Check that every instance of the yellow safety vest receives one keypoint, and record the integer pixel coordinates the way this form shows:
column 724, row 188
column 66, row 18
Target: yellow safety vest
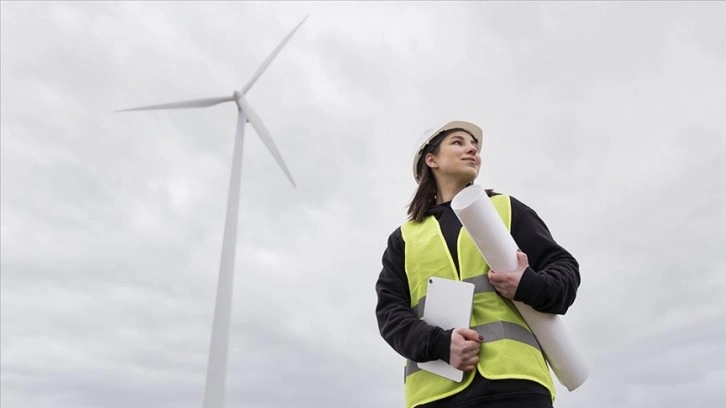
column 509, row 349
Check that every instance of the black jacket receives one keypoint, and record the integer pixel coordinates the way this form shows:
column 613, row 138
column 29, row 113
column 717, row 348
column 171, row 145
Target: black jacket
column 549, row 285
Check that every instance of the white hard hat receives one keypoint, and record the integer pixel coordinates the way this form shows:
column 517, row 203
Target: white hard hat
column 429, row 134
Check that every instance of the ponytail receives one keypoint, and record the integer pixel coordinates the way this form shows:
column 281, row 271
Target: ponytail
column 425, row 196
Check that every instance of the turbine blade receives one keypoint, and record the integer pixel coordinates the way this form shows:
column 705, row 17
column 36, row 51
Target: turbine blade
column 270, row 57
column 264, row 134
column 195, row 103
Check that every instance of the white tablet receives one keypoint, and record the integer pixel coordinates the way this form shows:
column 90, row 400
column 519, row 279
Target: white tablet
column 448, row 305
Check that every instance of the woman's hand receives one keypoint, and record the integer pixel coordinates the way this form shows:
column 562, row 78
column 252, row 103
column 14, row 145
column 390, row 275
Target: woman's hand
column 506, row 283
column 464, row 349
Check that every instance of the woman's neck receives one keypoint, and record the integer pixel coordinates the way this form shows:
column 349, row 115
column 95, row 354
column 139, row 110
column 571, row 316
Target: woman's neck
column 445, row 192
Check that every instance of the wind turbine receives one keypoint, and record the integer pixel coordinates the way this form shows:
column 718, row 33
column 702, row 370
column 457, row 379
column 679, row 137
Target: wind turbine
column 217, row 366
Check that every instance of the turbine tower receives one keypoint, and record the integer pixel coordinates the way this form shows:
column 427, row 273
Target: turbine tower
column 214, row 390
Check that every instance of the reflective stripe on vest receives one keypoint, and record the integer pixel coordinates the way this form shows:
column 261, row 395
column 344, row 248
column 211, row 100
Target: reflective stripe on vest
column 493, row 332
column 481, row 285
column 509, row 349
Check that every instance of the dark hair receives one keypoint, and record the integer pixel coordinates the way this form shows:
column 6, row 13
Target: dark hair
column 425, row 195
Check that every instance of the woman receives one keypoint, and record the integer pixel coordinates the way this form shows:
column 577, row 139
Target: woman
column 503, row 364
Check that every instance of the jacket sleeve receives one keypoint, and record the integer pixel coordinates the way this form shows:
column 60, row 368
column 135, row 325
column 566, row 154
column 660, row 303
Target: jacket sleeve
column 398, row 324
column 550, row 284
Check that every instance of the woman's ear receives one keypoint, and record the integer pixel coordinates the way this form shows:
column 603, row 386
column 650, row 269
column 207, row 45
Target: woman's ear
column 430, row 160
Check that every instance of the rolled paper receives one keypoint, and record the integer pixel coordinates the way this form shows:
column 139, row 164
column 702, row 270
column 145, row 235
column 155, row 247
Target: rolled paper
column 477, row 214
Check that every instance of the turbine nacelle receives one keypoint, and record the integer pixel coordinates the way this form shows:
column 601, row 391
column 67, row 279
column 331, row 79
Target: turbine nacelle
column 236, row 96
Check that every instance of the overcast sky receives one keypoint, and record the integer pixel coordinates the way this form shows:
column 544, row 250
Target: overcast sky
column 606, row 118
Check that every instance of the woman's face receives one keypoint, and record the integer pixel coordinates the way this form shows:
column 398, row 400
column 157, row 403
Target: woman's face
column 457, row 159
